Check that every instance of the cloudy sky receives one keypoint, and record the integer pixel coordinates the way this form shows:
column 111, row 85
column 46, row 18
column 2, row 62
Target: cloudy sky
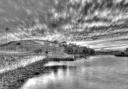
column 69, row 19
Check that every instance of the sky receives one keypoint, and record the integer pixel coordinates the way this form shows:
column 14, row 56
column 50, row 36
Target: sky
column 75, row 20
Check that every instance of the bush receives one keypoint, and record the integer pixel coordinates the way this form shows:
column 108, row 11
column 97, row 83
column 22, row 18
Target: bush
column 38, row 51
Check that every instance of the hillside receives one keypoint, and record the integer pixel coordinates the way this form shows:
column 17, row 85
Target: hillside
column 24, row 45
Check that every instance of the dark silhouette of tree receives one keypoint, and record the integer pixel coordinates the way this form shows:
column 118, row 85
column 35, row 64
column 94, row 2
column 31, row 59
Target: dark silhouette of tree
column 46, row 53
column 18, row 43
column 7, row 29
column 38, row 51
column 55, row 42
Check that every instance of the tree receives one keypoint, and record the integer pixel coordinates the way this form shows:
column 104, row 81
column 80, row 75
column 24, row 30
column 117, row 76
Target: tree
column 7, row 29
column 38, row 51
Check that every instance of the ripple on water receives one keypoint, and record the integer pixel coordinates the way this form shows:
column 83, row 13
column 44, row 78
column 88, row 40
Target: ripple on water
column 103, row 73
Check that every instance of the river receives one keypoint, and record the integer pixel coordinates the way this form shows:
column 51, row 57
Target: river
column 97, row 72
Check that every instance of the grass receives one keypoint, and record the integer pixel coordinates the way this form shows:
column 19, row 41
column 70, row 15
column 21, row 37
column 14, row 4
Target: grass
column 14, row 79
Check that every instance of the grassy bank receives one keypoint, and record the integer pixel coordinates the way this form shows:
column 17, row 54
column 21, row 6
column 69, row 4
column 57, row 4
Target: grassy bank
column 14, row 79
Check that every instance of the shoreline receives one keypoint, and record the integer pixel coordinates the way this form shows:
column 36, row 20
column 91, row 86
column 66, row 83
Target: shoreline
column 14, row 79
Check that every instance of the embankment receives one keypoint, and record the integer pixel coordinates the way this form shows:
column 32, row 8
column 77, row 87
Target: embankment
column 14, row 79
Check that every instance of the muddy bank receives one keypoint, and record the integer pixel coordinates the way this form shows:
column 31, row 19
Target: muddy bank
column 14, row 79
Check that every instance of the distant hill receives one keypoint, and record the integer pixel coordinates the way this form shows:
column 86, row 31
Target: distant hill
column 22, row 45
column 32, row 46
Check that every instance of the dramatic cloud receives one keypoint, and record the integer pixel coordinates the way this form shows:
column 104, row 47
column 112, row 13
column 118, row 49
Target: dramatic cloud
column 79, row 19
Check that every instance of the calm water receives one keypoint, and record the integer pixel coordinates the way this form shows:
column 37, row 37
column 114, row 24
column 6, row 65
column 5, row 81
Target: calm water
column 100, row 72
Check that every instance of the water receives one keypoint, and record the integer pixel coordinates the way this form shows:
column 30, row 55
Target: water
column 100, row 72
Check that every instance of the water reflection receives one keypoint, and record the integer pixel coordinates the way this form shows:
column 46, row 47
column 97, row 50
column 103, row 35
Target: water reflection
column 57, row 75
column 95, row 73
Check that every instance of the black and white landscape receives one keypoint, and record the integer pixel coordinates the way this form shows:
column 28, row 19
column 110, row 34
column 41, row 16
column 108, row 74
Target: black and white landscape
column 63, row 44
